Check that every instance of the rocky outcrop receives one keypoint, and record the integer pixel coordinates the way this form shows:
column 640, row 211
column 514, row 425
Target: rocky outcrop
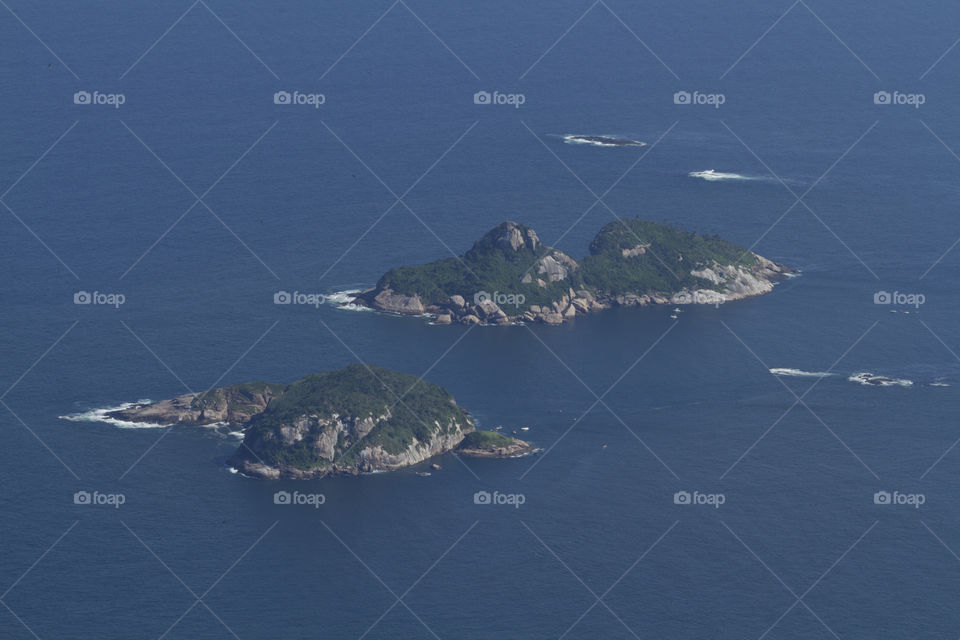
column 634, row 251
column 235, row 404
column 738, row 282
column 551, row 268
column 514, row 238
column 387, row 300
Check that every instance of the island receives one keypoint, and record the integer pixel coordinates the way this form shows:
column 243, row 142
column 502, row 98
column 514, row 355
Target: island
column 358, row 419
column 510, row 276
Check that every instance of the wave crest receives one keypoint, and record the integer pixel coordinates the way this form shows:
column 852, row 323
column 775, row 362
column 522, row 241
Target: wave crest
column 777, row 371
column 345, row 300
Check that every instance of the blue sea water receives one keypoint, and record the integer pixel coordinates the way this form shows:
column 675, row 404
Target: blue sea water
column 198, row 198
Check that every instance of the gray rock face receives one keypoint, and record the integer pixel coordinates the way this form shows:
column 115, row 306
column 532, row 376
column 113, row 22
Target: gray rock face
column 735, row 282
column 638, row 250
column 378, row 458
column 231, row 405
column 556, row 266
column 323, row 435
column 387, row 300
column 513, row 238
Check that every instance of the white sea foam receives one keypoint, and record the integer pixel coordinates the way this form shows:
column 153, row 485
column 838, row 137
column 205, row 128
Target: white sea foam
column 777, row 371
column 342, row 297
column 602, row 140
column 100, row 415
column 715, row 176
column 873, row 380
column 345, row 300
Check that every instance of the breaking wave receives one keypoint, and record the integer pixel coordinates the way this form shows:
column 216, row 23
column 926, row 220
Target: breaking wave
column 345, row 300
column 100, row 415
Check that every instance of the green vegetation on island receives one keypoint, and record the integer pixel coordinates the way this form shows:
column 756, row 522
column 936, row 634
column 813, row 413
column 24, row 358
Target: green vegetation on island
column 340, row 416
column 357, row 419
column 638, row 256
column 630, row 262
column 485, row 439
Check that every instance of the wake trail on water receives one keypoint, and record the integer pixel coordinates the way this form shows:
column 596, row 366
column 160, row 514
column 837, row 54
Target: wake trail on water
column 601, row 140
column 865, row 378
column 711, row 175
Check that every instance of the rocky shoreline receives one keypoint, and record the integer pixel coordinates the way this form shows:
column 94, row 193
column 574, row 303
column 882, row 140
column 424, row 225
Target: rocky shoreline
column 256, row 469
column 742, row 284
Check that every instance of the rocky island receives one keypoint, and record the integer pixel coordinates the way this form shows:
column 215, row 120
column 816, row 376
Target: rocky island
column 350, row 421
column 509, row 275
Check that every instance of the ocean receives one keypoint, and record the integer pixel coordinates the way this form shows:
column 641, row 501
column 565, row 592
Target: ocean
column 193, row 160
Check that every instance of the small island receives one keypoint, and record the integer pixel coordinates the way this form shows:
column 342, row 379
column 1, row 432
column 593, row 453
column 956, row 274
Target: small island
column 490, row 444
column 510, row 276
column 358, row 419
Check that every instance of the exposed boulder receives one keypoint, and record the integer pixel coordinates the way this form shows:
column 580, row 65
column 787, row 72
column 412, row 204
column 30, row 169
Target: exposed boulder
column 387, row 300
